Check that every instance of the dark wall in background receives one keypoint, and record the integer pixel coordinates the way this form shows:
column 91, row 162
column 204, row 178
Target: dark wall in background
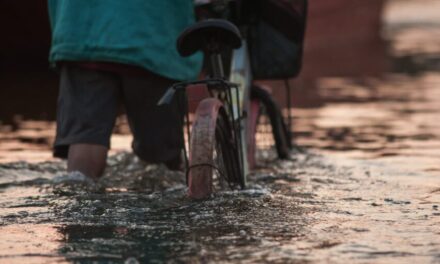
column 25, row 34
column 343, row 40
column 28, row 88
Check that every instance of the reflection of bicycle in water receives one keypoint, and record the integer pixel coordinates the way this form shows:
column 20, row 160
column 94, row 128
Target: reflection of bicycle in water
column 228, row 105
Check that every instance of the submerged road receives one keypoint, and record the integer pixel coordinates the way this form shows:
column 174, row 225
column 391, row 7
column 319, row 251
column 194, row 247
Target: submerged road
column 366, row 189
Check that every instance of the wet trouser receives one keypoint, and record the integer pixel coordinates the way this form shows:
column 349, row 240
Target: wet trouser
column 88, row 104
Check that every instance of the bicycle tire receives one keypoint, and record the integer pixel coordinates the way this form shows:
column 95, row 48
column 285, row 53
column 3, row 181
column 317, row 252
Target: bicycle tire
column 281, row 135
column 214, row 160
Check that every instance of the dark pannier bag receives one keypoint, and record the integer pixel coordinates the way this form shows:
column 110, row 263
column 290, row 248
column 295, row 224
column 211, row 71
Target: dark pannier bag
column 275, row 37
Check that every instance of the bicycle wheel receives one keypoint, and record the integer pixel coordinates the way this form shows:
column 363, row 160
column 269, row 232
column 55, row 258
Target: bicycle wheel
column 214, row 159
column 262, row 103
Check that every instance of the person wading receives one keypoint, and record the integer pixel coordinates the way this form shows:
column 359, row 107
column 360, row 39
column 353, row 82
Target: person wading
column 112, row 52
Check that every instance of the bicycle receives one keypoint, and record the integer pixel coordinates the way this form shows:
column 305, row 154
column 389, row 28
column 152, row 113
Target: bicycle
column 227, row 104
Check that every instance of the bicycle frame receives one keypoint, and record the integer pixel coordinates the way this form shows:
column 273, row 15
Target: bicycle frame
column 241, row 74
column 232, row 90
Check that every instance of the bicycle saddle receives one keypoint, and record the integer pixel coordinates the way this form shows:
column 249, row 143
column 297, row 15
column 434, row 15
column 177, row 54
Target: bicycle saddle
column 212, row 36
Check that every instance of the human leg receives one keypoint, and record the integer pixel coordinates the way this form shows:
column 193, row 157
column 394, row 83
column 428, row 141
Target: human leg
column 87, row 107
column 89, row 159
column 157, row 130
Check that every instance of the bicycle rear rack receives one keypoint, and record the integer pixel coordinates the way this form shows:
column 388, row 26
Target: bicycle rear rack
column 180, row 90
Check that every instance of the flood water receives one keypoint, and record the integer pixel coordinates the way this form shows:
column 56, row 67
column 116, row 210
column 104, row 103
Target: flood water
column 363, row 185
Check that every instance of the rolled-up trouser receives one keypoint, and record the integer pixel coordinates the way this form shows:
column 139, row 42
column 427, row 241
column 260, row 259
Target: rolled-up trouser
column 88, row 104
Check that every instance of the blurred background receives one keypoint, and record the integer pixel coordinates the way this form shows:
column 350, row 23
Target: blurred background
column 369, row 86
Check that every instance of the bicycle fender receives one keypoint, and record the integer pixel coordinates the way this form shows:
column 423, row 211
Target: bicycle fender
column 203, row 132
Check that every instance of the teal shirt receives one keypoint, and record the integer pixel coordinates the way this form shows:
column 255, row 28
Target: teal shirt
column 135, row 32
